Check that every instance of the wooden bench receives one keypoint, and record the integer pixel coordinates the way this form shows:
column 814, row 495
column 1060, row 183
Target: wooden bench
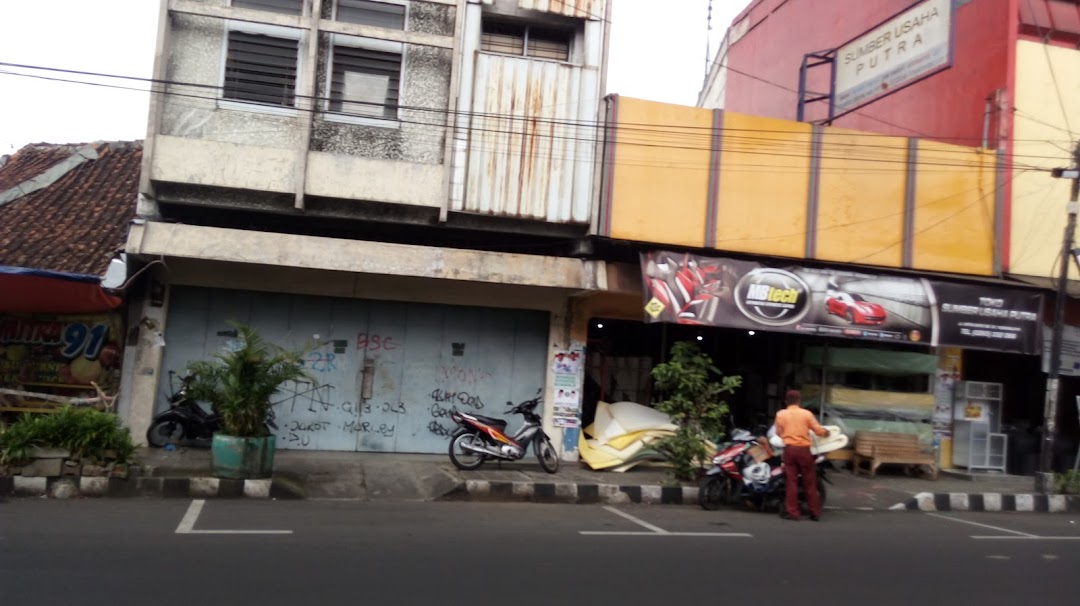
column 882, row 448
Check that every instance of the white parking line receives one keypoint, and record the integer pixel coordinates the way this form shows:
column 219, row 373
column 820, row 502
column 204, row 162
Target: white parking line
column 187, row 523
column 998, row 528
column 655, row 531
column 637, row 521
column 1031, row 538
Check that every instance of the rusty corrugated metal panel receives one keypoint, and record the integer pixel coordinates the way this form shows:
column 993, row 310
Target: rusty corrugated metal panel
column 528, row 155
column 582, row 9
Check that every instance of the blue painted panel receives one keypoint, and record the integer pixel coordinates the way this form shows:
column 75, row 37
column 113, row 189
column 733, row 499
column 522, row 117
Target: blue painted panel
column 425, row 360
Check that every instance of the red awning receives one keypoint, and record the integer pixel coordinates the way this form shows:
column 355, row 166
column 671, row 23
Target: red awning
column 37, row 291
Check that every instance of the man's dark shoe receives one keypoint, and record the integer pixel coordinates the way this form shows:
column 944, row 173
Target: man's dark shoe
column 815, row 518
column 787, row 516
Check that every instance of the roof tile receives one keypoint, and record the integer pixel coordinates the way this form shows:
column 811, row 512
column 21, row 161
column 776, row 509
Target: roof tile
column 76, row 224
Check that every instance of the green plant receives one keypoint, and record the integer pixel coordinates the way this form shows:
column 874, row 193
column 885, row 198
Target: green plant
column 693, row 400
column 239, row 382
column 1068, row 482
column 86, row 432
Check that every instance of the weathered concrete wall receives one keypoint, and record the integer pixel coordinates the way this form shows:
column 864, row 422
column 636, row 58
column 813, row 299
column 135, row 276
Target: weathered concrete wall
column 197, row 52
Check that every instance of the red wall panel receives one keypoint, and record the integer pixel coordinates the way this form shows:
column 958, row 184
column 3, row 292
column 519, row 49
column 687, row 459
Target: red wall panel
column 948, row 106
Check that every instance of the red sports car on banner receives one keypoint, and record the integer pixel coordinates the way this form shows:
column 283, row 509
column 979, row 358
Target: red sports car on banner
column 856, row 309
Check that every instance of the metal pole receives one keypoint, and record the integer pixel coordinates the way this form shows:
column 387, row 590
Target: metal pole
column 1044, row 481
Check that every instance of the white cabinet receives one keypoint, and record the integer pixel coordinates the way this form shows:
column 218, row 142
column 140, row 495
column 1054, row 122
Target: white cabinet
column 976, row 447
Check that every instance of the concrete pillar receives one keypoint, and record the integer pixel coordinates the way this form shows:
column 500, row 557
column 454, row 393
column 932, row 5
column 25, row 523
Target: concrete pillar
column 568, row 331
column 144, row 376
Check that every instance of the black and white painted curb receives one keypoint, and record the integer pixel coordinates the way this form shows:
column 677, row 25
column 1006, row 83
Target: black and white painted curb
column 183, row 488
column 541, row 492
column 990, row 501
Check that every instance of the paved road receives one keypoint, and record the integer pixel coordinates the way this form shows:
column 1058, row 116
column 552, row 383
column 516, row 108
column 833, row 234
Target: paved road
column 163, row 552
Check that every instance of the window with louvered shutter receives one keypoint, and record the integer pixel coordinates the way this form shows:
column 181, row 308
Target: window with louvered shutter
column 288, row 7
column 509, row 38
column 261, row 69
column 368, row 12
column 365, row 82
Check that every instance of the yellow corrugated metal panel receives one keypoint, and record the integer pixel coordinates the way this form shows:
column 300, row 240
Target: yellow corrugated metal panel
column 1040, row 139
column 582, row 9
column 954, row 209
column 660, row 184
column 861, row 198
column 524, row 146
column 764, row 176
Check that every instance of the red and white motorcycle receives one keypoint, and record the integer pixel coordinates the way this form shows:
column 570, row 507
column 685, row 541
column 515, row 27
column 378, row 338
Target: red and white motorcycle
column 750, row 469
column 479, row 438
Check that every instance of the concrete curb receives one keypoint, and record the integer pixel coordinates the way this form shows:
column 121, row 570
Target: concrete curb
column 559, row 492
column 990, row 501
column 181, row 488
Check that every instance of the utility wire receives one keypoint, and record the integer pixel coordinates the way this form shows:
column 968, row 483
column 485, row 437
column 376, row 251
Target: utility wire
column 552, row 135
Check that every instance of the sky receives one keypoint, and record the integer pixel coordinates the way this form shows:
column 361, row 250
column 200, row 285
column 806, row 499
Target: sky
column 655, row 54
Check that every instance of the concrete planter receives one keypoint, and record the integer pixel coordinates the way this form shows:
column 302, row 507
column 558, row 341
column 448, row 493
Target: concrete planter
column 242, row 458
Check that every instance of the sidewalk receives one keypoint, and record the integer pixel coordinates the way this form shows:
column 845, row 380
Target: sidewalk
column 377, row 476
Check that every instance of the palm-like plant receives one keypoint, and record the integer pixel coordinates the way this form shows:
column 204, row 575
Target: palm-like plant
column 239, row 383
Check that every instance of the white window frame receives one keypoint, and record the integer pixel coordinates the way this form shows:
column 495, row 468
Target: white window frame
column 385, row 46
column 303, row 7
column 405, row 17
column 265, row 29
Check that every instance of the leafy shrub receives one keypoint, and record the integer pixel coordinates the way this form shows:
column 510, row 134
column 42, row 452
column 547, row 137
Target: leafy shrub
column 694, row 404
column 239, row 382
column 86, row 432
column 1068, row 482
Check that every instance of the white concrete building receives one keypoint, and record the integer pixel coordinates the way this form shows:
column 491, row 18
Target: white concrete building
column 407, row 183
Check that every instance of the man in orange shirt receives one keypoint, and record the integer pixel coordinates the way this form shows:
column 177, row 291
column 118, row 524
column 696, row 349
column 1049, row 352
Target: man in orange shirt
column 793, row 425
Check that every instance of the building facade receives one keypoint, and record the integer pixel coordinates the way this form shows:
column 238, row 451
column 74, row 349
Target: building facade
column 1008, row 89
column 400, row 184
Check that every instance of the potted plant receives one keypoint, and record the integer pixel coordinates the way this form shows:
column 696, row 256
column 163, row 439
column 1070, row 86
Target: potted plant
column 238, row 384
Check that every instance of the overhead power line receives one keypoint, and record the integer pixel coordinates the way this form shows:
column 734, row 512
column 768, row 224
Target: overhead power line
column 656, row 134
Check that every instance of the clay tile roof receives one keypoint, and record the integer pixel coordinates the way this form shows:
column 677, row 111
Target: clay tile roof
column 78, row 221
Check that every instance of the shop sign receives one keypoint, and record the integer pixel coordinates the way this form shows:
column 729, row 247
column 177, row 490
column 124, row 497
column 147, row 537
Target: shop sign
column 39, row 351
column 692, row 289
column 905, row 49
column 1070, row 351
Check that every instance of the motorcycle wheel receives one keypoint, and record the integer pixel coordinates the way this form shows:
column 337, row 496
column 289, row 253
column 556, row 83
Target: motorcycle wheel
column 165, row 431
column 714, row 492
column 545, row 453
column 465, row 459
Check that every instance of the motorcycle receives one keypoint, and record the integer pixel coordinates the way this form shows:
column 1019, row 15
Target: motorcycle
column 750, row 470
column 184, row 419
column 479, row 438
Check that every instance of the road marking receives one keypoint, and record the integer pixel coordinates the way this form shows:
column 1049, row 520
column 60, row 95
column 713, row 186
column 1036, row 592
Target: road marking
column 187, row 523
column 190, row 516
column 998, row 528
column 637, row 521
column 637, row 533
column 997, row 557
column 1028, row 538
column 655, row 531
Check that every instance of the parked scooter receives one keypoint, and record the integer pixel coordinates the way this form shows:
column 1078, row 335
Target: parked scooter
column 479, row 438
column 183, row 420
column 750, row 470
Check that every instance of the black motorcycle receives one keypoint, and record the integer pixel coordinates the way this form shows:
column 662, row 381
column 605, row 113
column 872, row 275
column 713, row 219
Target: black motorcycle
column 184, row 420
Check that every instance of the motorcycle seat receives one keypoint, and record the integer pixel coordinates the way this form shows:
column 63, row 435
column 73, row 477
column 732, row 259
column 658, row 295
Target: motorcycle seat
column 500, row 423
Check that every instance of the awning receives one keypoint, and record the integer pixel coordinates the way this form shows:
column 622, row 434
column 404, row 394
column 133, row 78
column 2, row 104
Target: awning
column 24, row 290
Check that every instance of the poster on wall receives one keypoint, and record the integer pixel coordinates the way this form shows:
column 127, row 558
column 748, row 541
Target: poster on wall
column 42, row 352
column 685, row 288
column 948, row 375
column 567, row 366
